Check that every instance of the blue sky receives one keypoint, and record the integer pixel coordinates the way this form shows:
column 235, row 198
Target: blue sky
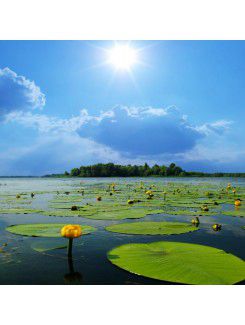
column 62, row 105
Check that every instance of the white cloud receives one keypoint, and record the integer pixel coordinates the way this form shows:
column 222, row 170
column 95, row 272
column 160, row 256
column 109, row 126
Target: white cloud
column 218, row 127
column 46, row 124
column 121, row 135
column 17, row 93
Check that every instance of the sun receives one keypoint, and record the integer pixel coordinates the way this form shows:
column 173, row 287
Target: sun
column 122, row 57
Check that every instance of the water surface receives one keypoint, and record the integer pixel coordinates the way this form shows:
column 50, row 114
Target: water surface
column 20, row 264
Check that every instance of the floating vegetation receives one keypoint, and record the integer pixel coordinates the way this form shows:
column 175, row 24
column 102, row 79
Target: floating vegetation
column 216, row 227
column 236, row 213
column 237, row 202
column 152, row 228
column 162, row 207
column 195, row 221
column 19, row 211
column 126, row 214
column 179, row 262
column 190, row 212
column 46, row 246
column 71, row 232
column 44, row 230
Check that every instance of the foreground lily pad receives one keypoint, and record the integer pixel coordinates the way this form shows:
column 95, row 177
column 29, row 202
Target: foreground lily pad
column 179, row 262
column 43, row 230
column 152, row 228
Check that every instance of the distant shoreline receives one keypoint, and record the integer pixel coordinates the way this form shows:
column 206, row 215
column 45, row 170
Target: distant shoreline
column 151, row 176
column 115, row 170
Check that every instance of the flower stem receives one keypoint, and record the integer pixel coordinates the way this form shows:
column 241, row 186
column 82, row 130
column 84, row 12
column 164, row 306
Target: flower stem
column 70, row 247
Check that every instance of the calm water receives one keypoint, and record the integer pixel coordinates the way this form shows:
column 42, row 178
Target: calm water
column 20, row 264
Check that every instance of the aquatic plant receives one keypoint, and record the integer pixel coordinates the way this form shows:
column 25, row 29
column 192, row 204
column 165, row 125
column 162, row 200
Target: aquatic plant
column 237, row 202
column 228, row 187
column 43, row 229
column 126, row 213
column 71, row 232
column 149, row 194
column 216, row 227
column 19, row 210
column 152, row 228
column 195, row 221
column 179, row 262
column 205, row 207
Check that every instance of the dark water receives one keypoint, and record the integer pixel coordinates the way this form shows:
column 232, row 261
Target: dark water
column 20, row 264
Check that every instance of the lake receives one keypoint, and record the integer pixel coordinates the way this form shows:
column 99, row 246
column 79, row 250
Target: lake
column 21, row 264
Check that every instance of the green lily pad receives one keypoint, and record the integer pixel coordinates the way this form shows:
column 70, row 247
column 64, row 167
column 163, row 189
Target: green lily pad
column 19, row 211
column 179, row 262
column 46, row 246
column 124, row 214
column 44, row 229
column 236, row 213
column 152, row 228
column 191, row 213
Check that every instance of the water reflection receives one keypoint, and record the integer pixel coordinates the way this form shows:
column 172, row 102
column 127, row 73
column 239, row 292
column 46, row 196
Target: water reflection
column 72, row 277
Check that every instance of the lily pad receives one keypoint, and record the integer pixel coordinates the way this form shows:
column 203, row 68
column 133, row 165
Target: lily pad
column 236, row 213
column 43, row 230
column 46, row 246
column 124, row 214
column 152, row 228
column 191, row 213
column 179, row 262
column 19, row 211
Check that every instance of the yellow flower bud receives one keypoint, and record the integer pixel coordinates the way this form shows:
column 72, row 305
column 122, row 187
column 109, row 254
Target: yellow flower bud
column 71, row 231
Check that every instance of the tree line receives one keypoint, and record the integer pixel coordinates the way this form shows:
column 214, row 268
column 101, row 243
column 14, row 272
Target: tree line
column 114, row 170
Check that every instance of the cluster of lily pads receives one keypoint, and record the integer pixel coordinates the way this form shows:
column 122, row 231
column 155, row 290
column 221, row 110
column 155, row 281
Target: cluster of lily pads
column 169, row 261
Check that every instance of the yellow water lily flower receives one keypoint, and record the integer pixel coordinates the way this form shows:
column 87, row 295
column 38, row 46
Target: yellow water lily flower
column 228, row 187
column 149, row 192
column 195, row 221
column 205, row 208
column 237, row 202
column 216, row 227
column 71, row 231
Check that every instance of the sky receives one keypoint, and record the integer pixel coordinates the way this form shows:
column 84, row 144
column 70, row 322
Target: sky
column 64, row 104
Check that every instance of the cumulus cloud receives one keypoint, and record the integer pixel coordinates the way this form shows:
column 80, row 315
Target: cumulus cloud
column 18, row 93
column 126, row 135
column 142, row 131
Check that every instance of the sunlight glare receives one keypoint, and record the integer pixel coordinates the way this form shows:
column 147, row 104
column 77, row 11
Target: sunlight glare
column 122, row 57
